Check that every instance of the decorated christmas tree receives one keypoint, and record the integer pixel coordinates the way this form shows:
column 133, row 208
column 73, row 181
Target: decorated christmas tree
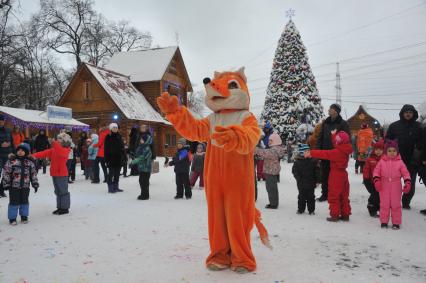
column 292, row 97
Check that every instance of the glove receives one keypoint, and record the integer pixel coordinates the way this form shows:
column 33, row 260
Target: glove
column 225, row 137
column 407, row 187
column 168, row 104
column 378, row 185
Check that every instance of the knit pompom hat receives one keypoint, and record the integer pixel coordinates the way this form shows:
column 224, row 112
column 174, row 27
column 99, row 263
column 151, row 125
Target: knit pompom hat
column 342, row 138
column 275, row 140
column 380, row 144
column 182, row 141
column 112, row 126
column 64, row 139
column 301, row 148
column 25, row 147
column 391, row 144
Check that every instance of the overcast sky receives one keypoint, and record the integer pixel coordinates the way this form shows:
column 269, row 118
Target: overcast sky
column 225, row 34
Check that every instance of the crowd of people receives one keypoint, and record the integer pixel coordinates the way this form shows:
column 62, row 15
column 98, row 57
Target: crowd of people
column 382, row 157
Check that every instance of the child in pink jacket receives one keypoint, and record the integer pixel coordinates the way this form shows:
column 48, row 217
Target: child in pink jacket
column 387, row 181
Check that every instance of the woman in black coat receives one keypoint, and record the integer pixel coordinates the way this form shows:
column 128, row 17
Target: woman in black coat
column 114, row 155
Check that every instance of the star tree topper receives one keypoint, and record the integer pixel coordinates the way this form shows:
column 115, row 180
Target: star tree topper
column 290, row 13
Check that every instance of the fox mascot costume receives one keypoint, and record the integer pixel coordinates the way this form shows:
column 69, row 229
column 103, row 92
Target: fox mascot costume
column 231, row 133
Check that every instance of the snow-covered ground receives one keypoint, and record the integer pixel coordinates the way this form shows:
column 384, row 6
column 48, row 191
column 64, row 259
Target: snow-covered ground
column 116, row 238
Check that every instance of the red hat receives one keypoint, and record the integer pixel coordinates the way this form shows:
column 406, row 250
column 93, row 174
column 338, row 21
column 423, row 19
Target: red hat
column 380, row 144
column 391, row 143
column 341, row 138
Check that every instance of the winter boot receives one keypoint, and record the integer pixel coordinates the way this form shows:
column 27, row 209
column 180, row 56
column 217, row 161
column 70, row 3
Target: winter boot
column 406, row 206
column 24, row 219
column 384, row 225
column 116, row 188
column 13, row 222
column 111, row 188
column 56, row 212
column 299, row 212
column 178, row 197
column 395, row 227
column 423, row 211
column 63, row 211
column 311, row 212
column 333, row 219
column 344, row 218
column 271, row 206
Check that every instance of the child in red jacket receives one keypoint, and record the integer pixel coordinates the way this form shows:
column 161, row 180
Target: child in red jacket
column 373, row 205
column 387, row 181
column 338, row 194
column 58, row 156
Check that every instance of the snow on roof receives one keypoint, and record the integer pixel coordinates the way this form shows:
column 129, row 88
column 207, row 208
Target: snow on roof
column 127, row 98
column 143, row 66
column 39, row 117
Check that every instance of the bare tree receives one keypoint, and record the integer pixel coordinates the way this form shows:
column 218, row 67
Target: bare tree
column 196, row 102
column 124, row 37
column 98, row 33
column 65, row 25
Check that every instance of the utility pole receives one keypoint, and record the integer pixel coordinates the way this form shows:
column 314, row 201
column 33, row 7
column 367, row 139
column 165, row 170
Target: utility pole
column 338, row 86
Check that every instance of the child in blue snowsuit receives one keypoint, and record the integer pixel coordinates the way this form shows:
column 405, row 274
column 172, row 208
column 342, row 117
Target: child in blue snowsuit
column 19, row 172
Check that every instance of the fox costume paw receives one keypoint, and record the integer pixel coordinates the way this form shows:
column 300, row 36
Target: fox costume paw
column 168, row 104
column 225, row 137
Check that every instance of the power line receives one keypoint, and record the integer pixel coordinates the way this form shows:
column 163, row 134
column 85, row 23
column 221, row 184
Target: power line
column 343, row 33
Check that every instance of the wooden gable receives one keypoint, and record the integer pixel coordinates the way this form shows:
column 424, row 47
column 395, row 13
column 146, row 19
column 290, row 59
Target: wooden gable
column 84, row 94
column 360, row 117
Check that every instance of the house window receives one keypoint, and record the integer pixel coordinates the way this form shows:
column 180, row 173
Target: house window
column 172, row 68
column 173, row 140
column 87, row 91
column 168, row 139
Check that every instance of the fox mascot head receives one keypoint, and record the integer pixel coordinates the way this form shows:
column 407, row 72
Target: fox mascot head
column 227, row 91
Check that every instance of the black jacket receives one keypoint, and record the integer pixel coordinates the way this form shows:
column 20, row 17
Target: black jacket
column 5, row 136
column 181, row 161
column 324, row 139
column 408, row 134
column 41, row 143
column 114, row 150
column 306, row 173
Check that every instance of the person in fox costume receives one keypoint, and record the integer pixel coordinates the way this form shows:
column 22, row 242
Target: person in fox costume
column 231, row 133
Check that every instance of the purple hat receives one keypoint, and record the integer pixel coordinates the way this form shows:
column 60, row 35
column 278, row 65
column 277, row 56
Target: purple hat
column 391, row 143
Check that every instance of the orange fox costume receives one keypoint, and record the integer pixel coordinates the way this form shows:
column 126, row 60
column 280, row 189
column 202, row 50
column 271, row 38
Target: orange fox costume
column 231, row 133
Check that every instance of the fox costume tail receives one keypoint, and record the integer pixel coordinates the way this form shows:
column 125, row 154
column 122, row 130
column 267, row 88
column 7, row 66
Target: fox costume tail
column 263, row 233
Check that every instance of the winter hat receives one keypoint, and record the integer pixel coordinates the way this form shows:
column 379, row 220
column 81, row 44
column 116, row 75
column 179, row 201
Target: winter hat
column 25, row 147
column 302, row 147
column 268, row 125
column 336, row 107
column 275, row 140
column 64, row 139
column 112, row 126
column 380, row 144
column 182, row 141
column 391, row 143
column 342, row 138
column 2, row 118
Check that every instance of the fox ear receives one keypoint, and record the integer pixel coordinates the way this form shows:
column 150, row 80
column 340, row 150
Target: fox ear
column 216, row 75
column 241, row 73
